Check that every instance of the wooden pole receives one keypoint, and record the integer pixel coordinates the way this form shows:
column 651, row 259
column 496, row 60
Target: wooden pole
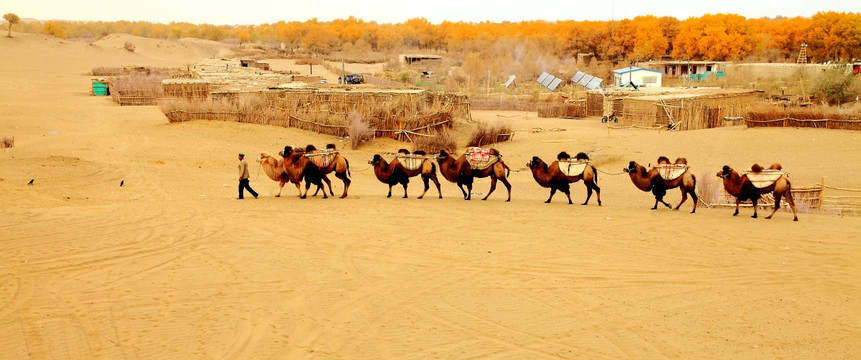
column 821, row 191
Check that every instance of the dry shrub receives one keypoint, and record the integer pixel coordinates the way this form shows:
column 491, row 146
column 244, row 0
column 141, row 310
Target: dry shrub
column 7, row 142
column 710, row 188
column 485, row 134
column 306, row 61
column 359, row 130
column 129, row 46
column 764, row 111
column 439, row 140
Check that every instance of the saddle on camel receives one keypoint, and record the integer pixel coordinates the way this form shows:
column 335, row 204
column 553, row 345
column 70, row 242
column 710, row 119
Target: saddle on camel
column 480, row 158
column 754, row 183
column 572, row 167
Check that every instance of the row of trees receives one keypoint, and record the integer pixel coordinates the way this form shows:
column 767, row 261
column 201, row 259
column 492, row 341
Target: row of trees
column 830, row 35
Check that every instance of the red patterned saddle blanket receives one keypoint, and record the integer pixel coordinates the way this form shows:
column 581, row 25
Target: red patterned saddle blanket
column 480, row 159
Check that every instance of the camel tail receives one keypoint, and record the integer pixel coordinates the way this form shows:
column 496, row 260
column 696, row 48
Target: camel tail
column 348, row 167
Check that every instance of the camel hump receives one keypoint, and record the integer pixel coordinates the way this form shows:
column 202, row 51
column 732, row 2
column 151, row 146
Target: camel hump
column 403, row 151
column 756, row 168
column 310, row 148
column 418, row 152
column 330, row 146
column 582, row 156
column 493, row 152
column 682, row 160
column 563, row 156
column 775, row 166
column 663, row 160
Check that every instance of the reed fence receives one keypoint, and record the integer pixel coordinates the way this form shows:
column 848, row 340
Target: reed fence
column 808, row 123
column 815, row 198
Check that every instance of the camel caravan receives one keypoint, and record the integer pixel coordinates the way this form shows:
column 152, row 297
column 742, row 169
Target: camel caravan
column 308, row 164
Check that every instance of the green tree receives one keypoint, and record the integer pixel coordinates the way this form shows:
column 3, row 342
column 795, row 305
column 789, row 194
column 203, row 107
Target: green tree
column 12, row 19
column 837, row 85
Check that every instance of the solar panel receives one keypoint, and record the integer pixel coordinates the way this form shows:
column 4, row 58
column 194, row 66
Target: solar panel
column 510, row 80
column 579, row 75
column 585, row 79
column 595, row 83
column 553, row 85
column 548, row 80
column 543, row 76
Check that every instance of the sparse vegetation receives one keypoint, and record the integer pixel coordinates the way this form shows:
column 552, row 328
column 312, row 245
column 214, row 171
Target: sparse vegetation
column 837, row 85
column 359, row 130
column 440, row 140
column 485, row 134
column 12, row 19
column 129, row 46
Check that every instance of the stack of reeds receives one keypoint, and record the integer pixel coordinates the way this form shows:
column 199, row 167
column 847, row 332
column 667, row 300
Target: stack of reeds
column 186, row 89
column 766, row 115
column 136, row 89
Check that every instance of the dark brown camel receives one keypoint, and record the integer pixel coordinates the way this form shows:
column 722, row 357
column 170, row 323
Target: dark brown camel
column 427, row 170
column 652, row 181
column 552, row 177
column 339, row 165
column 743, row 189
column 297, row 167
column 274, row 169
column 389, row 174
column 460, row 172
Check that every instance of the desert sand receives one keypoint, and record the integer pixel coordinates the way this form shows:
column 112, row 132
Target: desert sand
column 172, row 266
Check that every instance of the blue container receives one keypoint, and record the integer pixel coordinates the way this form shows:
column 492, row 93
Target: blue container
column 100, row 88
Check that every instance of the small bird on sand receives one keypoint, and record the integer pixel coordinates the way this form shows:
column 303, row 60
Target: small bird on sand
column 31, row 182
column 122, row 182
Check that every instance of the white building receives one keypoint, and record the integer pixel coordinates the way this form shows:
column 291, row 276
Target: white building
column 637, row 75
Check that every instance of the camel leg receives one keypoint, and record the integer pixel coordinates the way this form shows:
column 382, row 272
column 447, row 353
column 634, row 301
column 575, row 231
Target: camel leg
column 307, row 186
column 328, row 182
column 589, row 187
column 436, row 182
column 656, row 204
column 737, row 201
column 508, row 186
column 320, row 186
column 568, row 194
column 492, row 187
column 791, row 202
column 426, row 181
column 390, row 191
column 552, row 192
column 347, row 182
column 696, row 200
column 754, row 208
column 404, row 184
column 776, row 206
column 684, row 198
column 299, row 189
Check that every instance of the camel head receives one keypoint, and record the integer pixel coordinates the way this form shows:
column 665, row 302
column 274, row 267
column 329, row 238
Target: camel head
column 632, row 167
column 562, row 156
column 535, row 163
column 443, row 155
column 376, row 160
column 725, row 172
column 263, row 157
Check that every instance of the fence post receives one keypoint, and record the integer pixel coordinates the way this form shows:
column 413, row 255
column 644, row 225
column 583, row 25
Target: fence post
column 821, row 191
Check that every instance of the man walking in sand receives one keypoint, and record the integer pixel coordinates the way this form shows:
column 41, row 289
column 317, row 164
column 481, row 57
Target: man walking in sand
column 243, row 177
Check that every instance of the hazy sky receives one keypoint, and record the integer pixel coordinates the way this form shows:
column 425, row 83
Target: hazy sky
column 254, row 12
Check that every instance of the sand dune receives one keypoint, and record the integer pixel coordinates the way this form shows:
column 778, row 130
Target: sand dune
column 171, row 266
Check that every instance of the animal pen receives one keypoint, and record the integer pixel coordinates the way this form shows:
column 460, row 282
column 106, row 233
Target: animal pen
column 688, row 109
column 398, row 114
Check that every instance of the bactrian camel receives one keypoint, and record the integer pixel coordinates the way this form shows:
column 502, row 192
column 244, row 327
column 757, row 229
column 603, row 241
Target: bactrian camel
column 743, row 189
column 651, row 180
column 552, row 177
column 460, row 172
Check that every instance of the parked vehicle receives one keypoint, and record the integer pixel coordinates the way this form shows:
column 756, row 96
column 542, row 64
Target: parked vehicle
column 612, row 117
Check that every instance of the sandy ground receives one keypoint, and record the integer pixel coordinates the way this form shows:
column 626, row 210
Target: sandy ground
column 171, row 266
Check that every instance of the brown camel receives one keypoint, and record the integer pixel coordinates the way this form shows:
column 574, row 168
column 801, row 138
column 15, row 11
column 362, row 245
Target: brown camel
column 652, row 181
column 427, row 170
column 460, row 172
column 552, row 177
column 297, row 167
column 339, row 165
column 743, row 189
column 389, row 174
column 274, row 169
